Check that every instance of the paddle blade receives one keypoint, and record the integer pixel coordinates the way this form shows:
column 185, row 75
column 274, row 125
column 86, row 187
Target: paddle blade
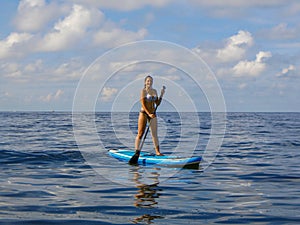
column 134, row 159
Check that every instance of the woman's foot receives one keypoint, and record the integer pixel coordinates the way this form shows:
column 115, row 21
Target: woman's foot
column 158, row 151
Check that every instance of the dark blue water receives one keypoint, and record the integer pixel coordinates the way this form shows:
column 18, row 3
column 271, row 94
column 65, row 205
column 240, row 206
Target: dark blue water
column 47, row 178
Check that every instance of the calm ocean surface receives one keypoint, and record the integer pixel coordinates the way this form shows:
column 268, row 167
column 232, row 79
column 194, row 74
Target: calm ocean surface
column 45, row 178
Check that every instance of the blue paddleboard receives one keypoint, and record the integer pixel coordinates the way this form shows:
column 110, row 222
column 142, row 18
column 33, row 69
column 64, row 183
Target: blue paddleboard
column 148, row 158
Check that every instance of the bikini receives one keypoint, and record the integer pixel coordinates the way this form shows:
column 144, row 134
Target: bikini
column 149, row 98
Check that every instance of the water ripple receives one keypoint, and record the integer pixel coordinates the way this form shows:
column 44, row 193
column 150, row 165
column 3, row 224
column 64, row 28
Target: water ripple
column 255, row 177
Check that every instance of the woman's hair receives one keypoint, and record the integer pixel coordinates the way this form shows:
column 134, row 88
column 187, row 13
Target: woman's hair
column 146, row 79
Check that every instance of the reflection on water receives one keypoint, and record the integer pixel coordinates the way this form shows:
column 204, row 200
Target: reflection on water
column 147, row 194
column 146, row 219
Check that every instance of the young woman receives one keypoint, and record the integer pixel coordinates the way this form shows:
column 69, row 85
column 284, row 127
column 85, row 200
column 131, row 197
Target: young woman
column 149, row 100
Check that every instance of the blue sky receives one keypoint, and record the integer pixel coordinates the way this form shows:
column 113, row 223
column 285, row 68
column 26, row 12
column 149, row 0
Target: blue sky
column 252, row 48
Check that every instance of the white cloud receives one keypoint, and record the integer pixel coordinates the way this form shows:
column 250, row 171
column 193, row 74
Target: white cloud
column 58, row 94
column 286, row 71
column 5, row 95
column 32, row 15
column 242, row 85
column 173, row 77
column 31, row 3
column 237, row 3
column 230, row 51
column 280, row 32
column 112, row 36
column 231, row 60
column 34, row 67
column 10, row 69
column 108, row 93
column 252, row 68
column 125, row 5
column 70, row 30
column 70, row 70
column 262, row 55
column 234, row 8
column 51, row 97
column 41, row 71
column 293, row 8
column 81, row 26
column 149, row 18
column 235, row 47
column 9, row 45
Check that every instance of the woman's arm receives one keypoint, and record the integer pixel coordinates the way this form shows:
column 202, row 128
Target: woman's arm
column 158, row 100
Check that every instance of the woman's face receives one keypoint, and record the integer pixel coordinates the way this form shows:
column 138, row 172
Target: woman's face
column 148, row 82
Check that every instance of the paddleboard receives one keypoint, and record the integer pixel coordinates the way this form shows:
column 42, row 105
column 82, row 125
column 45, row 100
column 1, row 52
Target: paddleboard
column 149, row 158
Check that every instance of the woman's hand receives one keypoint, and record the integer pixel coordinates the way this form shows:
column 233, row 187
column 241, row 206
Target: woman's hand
column 162, row 91
column 152, row 115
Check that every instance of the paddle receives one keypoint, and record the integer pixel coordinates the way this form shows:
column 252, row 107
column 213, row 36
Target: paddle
column 134, row 159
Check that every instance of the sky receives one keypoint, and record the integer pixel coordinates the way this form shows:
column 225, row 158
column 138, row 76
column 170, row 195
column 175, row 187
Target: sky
column 251, row 48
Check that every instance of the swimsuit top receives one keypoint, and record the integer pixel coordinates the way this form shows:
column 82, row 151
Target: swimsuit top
column 151, row 98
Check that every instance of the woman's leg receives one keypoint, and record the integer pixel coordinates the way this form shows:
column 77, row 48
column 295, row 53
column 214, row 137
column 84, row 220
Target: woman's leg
column 153, row 127
column 142, row 121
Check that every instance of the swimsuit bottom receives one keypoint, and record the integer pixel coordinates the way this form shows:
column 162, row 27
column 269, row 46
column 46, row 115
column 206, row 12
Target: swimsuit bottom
column 144, row 112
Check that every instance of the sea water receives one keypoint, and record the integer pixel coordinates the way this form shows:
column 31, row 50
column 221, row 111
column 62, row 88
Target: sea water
column 55, row 172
